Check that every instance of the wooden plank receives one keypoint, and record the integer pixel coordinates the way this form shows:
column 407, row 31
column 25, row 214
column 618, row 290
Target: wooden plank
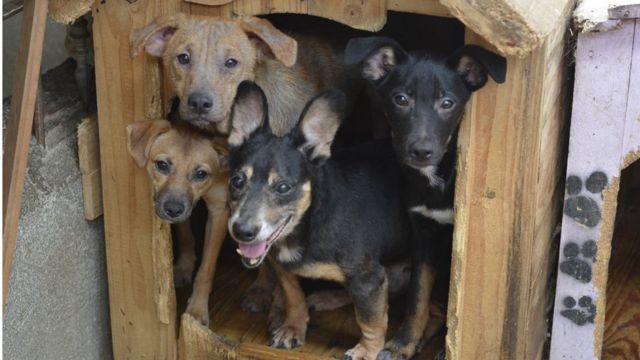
column 89, row 159
column 138, row 248
column 631, row 144
column 514, row 27
column 67, row 11
column 507, row 202
column 598, row 117
column 365, row 15
column 426, row 7
column 16, row 149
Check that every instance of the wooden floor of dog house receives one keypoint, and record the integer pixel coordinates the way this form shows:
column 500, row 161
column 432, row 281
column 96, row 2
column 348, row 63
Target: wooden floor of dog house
column 329, row 335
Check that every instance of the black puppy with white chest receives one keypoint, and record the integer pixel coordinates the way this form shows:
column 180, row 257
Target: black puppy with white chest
column 423, row 98
column 315, row 214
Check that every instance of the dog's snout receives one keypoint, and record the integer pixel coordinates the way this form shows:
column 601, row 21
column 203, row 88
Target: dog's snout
column 200, row 103
column 173, row 209
column 421, row 151
column 245, row 232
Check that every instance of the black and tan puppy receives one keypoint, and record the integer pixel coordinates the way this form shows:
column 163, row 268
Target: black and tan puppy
column 335, row 217
column 185, row 165
column 423, row 98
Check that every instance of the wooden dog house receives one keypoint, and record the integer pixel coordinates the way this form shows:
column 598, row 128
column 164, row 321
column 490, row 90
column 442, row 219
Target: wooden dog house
column 509, row 189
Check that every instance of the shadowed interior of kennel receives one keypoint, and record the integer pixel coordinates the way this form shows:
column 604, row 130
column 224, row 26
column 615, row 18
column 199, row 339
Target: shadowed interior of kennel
column 330, row 333
column 622, row 318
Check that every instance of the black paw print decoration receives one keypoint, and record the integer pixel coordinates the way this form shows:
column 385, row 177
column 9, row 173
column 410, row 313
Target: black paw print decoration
column 580, row 207
column 584, row 313
column 578, row 261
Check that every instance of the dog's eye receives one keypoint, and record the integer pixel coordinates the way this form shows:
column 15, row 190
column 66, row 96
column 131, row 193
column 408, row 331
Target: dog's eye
column 200, row 175
column 401, row 100
column 237, row 181
column 447, row 104
column 184, row 59
column 162, row 166
column 231, row 63
column 283, row 188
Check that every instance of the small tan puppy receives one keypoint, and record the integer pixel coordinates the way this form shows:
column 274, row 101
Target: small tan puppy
column 185, row 165
column 205, row 59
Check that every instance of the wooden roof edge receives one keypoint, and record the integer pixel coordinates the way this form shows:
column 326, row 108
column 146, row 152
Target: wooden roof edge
column 514, row 27
column 604, row 15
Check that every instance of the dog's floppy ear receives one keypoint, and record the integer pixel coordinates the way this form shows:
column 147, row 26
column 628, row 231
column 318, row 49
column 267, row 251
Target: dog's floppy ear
column 473, row 63
column 140, row 136
column 318, row 125
column 221, row 146
column 249, row 113
column 378, row 55
column 271, row 40
column 154, row 37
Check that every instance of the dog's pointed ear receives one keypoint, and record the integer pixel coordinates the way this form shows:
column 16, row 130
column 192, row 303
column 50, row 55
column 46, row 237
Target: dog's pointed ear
column 154, row 37
column 473, row 63
column 377, row 54
column 249, row 113
column 318, row 125
column 140, row 137
column 270, row 40
column 221, row 146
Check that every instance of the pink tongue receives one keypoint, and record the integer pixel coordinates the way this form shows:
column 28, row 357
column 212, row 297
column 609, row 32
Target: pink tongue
column 253, row 250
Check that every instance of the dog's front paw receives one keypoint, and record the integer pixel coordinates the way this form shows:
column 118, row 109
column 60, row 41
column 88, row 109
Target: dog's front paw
column 361, row 352
column 183, row 271
column 199, row 310
column 256, row 299
column 288, row 336
column 394, row 350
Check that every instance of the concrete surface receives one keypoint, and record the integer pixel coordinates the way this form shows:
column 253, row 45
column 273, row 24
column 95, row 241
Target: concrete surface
column 57, row 304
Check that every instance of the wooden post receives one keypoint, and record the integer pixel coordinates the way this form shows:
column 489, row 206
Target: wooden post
column 16, row 150
column 138, row 248
column 508, row 194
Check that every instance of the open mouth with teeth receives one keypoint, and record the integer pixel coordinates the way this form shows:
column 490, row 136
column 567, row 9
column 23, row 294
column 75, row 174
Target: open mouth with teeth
column 253, row 254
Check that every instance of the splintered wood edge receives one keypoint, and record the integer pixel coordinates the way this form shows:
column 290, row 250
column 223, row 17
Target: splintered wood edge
column 199, row 342
column 66, row 11
column 512, row 30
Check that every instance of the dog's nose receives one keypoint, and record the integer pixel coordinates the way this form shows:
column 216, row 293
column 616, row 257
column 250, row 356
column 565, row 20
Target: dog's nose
column 200, row 103
column 421, row 151
column 245, row 232
column 173, row 208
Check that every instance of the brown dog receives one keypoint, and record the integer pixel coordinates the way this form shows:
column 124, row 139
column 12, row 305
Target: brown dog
column 185, row 165
column 206, row 59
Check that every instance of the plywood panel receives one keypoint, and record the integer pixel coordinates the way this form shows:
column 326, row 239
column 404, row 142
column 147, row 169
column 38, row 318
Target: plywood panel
column 506, row 206
column 143, row 322
column 593, row 170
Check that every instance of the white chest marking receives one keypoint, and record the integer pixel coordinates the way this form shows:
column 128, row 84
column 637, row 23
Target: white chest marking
column 430, row 173
column 443, row 216
column 287, row 255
